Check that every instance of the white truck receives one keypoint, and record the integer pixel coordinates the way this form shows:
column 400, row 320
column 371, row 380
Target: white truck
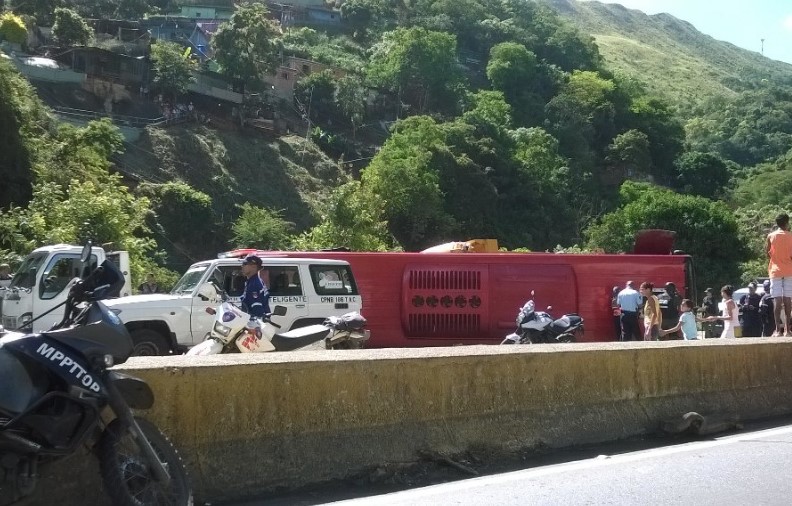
column 311, row 290
column 40, row 283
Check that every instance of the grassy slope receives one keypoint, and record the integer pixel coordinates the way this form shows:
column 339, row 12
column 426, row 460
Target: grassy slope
column 235, row 167
column 676, row 61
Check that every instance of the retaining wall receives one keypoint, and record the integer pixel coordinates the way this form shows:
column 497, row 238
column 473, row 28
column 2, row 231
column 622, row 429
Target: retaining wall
column 249, row 423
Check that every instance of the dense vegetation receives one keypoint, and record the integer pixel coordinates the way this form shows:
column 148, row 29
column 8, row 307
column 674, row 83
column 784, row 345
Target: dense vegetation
column 505, row 121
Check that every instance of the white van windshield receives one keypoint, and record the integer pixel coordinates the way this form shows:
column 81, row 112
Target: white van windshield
column 25, row 277
column 190, row 280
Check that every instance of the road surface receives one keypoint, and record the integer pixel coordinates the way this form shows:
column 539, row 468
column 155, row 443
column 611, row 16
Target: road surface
column 750, row 467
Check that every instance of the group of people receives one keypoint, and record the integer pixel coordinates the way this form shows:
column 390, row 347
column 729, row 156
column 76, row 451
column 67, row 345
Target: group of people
column 631, row 304
column 758, row 315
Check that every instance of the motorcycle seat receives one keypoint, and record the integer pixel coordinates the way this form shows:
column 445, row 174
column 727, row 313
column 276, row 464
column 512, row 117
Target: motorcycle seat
column 299, row 338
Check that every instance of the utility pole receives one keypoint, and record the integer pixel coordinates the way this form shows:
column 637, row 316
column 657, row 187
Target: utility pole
column 762, row 47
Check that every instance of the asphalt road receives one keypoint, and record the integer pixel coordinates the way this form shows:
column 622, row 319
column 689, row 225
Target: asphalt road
column 750, row 467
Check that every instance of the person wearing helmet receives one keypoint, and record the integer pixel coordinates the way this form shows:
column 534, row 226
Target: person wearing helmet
column 255, row 300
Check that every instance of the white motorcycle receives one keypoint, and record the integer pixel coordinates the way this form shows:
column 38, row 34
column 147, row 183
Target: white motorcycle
column 540, row 327
column 235, row 331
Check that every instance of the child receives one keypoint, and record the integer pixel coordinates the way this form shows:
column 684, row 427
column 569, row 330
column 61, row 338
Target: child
column 687, row 322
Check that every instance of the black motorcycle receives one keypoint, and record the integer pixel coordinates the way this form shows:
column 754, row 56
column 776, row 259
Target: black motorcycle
column 56, row 387
column 540, row 327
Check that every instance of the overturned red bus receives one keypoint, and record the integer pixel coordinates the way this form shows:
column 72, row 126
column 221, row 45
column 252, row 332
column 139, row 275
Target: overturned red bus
column 443, row 299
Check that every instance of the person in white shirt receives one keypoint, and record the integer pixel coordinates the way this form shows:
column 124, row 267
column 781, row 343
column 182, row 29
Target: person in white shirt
column 629, row 301
column 687, row 322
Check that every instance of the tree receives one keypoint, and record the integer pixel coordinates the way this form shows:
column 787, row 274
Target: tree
column 361, row 15
column 706, row 230
column 316, row 92
column 247, row 45
column 769, row 183
column 419, row 64
column 352, row 218
column 83, row 153
column 12, row 28
column 183, row 220
column 350, row 98
column 629, row 156
column 259, row 227
column 70, row 29
column 489, row 112
column 665, row 132
column 701, row 174
column 513, row 69
column 755, row 221
column 172, row 69
column 404, row 177
column 42, row 10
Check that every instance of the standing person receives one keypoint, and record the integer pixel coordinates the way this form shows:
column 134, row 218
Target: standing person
column 255, row 300
column 779, row 251
column 150, row 286
column 709, row 307
column 729, row 316
column 616, row 310
column 751, row 321
column 651, row 313
column 5, row 275
column 629, row 300
column 687, row 322
column 766, row 311
column 669, row 307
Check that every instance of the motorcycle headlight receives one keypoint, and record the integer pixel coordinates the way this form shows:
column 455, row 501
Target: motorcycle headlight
column 222, row 329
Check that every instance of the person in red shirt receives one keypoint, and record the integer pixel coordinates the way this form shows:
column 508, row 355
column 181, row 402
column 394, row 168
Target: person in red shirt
column 779, row 251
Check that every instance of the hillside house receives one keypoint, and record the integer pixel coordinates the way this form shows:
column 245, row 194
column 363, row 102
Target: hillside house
column 292, row 70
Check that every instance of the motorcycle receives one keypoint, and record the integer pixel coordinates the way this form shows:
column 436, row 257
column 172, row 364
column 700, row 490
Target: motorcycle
column 58, row 394
column 235, row 331
column 540, row 327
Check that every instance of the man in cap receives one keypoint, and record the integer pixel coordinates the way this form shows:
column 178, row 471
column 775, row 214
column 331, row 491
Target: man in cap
column 751, row 321
column 766, row 311
column 629, row 300
column 255, row 300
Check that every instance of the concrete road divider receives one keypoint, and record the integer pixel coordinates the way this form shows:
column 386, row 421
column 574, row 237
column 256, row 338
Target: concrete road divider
column 250, row 423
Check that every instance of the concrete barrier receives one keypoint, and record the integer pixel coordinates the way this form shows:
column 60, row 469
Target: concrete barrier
column 249, row 423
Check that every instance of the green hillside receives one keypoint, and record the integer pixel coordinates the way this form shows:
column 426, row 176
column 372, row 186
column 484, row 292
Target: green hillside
column 676, row 61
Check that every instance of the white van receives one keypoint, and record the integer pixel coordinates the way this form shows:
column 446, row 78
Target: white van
column 311, row 290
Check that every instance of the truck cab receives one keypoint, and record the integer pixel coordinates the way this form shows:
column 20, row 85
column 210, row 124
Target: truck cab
column 311, row 290
column 41, row 283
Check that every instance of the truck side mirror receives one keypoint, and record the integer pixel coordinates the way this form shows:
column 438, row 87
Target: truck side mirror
column 86, row 252
column 207, row 292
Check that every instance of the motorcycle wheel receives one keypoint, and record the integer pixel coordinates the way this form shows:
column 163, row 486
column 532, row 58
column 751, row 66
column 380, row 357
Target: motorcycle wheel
column 566, row 338
column 125, row 472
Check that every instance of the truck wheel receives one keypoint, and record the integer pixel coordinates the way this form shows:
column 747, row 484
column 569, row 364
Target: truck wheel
column 148, row 343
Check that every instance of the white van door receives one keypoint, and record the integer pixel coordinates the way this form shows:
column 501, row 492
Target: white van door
column 121, row 259
column 285, row 286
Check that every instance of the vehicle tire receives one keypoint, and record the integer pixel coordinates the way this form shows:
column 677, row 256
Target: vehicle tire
column 148, row 342
column 125, row 472
column 566, row 337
